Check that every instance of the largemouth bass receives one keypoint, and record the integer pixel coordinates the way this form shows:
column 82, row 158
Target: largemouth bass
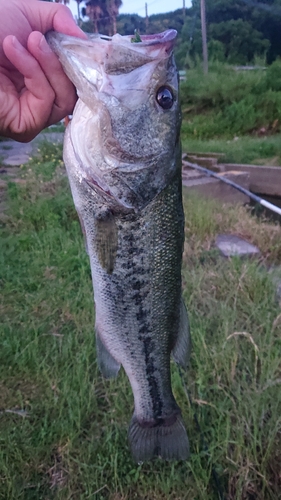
column 123, row 157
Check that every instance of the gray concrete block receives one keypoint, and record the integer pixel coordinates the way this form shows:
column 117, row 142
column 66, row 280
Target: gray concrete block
column 231, row 245
column 209, row 187
column 17, row 153
column 265, row 180
column 204, row 161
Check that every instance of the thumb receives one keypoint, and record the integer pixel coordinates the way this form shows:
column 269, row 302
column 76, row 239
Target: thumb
column 54, row 16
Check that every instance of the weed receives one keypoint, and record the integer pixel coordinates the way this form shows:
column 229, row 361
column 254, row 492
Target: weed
column 245, row 149
column 63, row 430
column 226, row 102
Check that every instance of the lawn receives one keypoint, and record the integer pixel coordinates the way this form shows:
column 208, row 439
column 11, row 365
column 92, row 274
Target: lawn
column 245, row 149
column 63, row 430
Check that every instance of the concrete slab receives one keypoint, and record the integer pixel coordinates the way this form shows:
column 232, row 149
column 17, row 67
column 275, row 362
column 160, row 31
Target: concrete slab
column 203, row 155
column 265, row 180
column 209, row 187
column 208, row 162
column 15, row 153
column 16, row 160
column 231, row 245
column 18, row 153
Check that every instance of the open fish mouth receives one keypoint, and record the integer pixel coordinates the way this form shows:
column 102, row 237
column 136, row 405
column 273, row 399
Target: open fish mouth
column 166, row 38
column 99, row 54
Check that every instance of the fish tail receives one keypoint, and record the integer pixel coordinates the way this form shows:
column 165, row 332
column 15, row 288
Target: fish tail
column 167, row 440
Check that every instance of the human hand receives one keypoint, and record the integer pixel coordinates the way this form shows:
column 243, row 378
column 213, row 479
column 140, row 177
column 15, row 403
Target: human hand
column 34, row 90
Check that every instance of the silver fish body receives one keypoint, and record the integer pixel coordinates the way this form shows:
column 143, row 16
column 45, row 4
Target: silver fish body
column 123, row 158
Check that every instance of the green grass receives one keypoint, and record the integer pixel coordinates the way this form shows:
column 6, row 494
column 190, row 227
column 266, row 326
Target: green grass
column 58, row 127
column 245, row 149
column 70, row 442
column 226, row 103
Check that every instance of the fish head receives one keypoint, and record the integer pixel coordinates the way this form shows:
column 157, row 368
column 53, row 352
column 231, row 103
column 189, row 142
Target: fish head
column 130, row 112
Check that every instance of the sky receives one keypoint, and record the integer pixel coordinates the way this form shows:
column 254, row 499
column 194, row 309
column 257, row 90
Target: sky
column 138, row 6
column 153, row 6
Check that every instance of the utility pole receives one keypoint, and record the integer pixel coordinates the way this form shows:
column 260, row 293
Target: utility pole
column 183, row 9
column 146, row 16
column 78, row 10
column 204, row 37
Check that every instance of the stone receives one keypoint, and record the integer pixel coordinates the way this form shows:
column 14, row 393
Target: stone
column 231, row 245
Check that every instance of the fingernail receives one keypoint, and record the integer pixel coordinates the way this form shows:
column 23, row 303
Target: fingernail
column 43, row 45
column 17, row 45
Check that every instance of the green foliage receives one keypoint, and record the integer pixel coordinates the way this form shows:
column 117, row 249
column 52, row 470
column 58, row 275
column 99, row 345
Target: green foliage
column 227, row 102
column 245, row 149
column 273, row 77
column 63, row 431
column 238, row 31
column 240, row 40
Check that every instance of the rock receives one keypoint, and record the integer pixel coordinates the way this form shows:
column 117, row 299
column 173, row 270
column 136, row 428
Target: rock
column 231, row 245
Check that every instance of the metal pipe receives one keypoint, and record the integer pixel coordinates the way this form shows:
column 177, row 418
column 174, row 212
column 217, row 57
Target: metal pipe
column 254, row 197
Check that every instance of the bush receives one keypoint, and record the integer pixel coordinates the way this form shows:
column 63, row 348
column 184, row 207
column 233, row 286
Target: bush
column 227, row 102
column 273, row 77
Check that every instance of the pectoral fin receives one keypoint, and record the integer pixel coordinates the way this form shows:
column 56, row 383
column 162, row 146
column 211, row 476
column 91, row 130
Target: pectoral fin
column 108, row 366
column 106, row 242
column 182, row 347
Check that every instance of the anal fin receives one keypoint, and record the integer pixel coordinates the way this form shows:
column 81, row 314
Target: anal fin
column 108, row 366
column 182, row 347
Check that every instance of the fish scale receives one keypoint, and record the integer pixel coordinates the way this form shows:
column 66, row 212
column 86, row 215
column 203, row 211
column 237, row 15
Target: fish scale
column 123, row 158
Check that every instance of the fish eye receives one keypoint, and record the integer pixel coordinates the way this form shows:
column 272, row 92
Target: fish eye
column 165, row 97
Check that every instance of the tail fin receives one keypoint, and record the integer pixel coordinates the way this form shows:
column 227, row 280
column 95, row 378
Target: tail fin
column 169, row 442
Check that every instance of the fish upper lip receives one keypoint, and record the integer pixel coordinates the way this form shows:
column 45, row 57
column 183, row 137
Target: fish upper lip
column 166, row 38
column 157, row 38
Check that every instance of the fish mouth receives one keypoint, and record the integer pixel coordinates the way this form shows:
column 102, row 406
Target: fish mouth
column 166, row 38
column 116, row 54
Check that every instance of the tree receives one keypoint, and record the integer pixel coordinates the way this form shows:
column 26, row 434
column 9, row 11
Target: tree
column 241, row 41
column 103, row 13
column 95, row 11
column 78, row 8
column 112, row 7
